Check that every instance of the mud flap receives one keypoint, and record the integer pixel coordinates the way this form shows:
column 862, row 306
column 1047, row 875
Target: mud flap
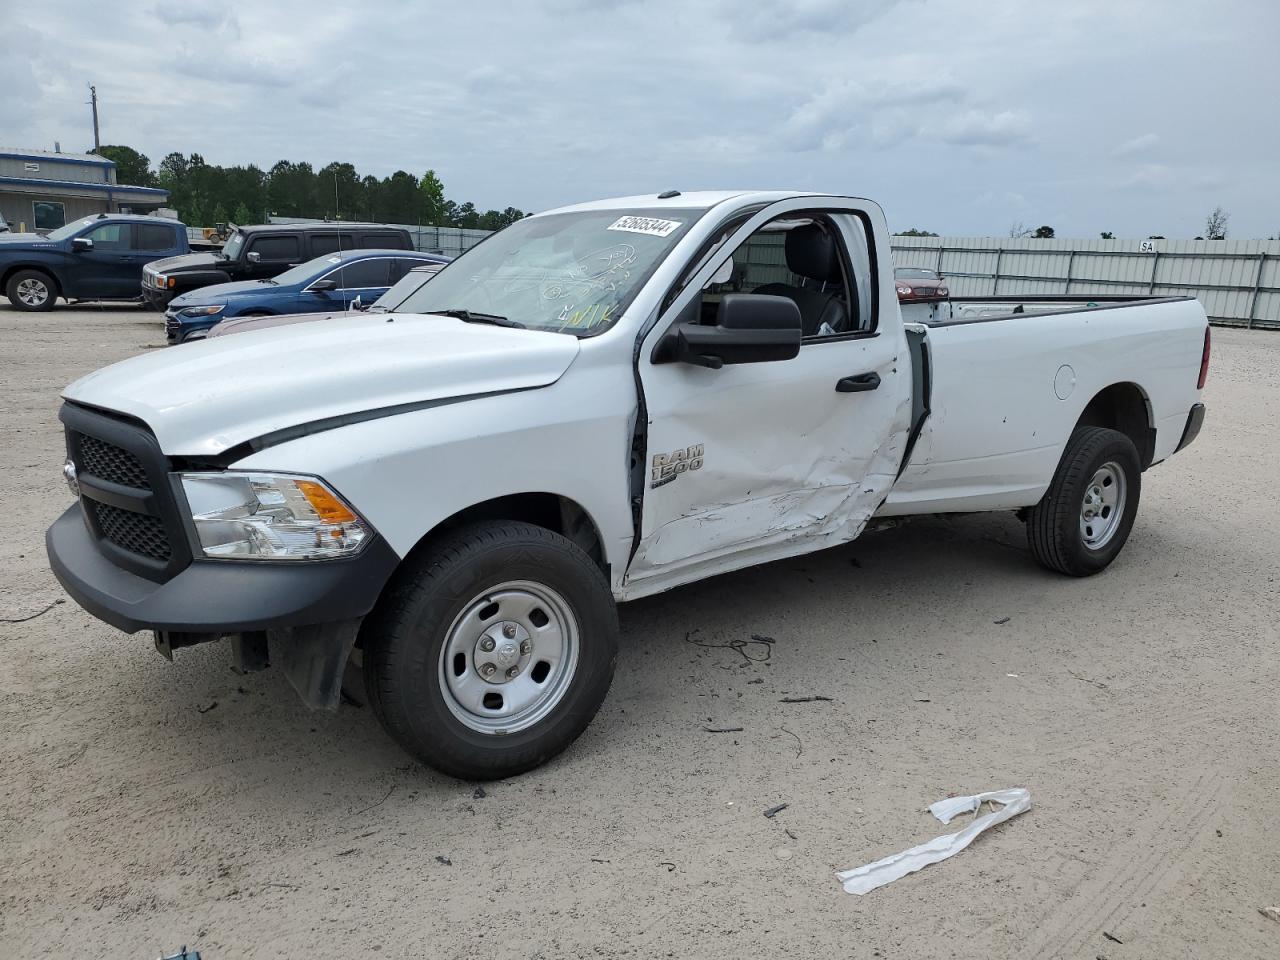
column 314, row 659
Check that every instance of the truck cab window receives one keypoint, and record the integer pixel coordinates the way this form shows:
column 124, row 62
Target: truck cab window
column 801, row 258
column 155, row 236
column 111, row 236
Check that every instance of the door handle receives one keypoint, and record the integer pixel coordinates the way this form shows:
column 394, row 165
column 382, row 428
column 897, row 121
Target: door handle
column 858, row 384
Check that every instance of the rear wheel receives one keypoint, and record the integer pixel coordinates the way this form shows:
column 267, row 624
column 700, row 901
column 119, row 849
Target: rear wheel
column 1084, row 519
column 490, row 655
column 31, row 290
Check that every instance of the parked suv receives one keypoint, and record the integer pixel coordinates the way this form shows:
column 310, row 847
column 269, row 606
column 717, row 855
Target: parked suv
column 97, row 258
column 262, row 252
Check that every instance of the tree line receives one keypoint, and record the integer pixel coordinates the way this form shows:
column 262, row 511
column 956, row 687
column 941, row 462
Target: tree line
column 204, row 194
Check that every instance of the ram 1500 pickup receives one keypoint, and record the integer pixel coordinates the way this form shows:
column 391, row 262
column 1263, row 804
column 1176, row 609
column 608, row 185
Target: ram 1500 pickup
column 595, row 404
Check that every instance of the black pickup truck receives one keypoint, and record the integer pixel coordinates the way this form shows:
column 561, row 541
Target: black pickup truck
column 262, row 252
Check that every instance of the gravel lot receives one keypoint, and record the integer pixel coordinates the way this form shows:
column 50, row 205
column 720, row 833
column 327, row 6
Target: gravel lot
column 147, row 805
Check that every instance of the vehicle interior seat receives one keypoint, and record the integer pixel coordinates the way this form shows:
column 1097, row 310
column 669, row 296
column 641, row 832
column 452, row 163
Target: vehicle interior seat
column 812, row 254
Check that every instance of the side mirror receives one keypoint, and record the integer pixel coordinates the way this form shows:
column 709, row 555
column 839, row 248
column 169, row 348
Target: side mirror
column 82, row 245
column 750, row 328
column 357, row 303
column 323, row 286
column 253, row 256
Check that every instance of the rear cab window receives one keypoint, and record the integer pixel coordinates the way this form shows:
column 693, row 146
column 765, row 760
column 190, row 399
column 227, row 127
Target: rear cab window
column 156, row 236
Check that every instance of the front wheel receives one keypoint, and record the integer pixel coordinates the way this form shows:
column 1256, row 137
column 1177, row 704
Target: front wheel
column 31, row 290
column 1083, row 520
column 489, row 655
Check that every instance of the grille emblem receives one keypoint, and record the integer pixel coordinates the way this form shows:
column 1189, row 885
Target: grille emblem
column 69, row 475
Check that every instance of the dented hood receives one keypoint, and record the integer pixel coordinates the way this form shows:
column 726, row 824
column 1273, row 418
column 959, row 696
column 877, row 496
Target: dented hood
column 203, row 398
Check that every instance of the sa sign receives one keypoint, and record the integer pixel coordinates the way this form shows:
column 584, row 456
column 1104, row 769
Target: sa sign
column 1148, row 246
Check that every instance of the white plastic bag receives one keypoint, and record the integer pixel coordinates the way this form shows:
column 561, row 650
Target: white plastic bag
column 866, row 878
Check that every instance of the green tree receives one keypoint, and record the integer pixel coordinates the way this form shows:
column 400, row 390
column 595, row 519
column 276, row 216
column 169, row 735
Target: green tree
column 431, row 209
column 1107, row 235
column 132, row 168
column 1044, row 233
column 913, row 232
column 242, row 216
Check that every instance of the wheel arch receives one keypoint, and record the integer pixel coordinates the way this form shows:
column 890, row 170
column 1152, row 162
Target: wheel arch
column 1124, row 407
column 552, row 511
column 44, row 268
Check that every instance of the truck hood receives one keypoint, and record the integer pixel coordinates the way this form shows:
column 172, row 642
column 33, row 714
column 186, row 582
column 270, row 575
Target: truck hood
column 23, row 238
column 203, row 398
column 186, row 263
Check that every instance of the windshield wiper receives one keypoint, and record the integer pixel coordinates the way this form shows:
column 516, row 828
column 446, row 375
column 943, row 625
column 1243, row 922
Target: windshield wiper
column 468, row 316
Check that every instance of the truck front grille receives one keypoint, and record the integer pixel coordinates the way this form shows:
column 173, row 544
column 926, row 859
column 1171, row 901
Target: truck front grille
column 129, row 503
column 135, row 532
column 108, row 462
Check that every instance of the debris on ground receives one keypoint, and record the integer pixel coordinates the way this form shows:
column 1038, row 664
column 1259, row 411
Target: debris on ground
column 1083, row 679
column 756, row 650
column 813, row 699
column 774, row 811
column 211, row 706
column 1002, row 621
column 671, row 867
column 1112, row 937
column 478, row 793
column 868, row 877
column 445, row 860
column 38, row 613
column 723, row 729
column 1271, row 913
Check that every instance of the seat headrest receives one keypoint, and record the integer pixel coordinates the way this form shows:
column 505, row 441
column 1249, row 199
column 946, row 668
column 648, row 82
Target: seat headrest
column 812, row 253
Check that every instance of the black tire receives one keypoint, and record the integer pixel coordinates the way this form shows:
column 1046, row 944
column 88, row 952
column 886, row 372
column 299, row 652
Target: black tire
column 404, row 638
column 24, row 285
column 1056, row 526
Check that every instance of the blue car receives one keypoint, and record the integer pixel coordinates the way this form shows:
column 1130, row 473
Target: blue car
column 327, row 283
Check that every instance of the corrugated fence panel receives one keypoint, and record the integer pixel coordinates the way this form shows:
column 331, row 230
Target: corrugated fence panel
column 1237, row 281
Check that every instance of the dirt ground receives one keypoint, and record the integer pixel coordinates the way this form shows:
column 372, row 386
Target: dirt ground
column 145, row 805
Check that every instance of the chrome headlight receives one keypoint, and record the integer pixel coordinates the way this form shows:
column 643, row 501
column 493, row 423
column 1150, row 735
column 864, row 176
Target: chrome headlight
column 267, row 516
column 203, row 311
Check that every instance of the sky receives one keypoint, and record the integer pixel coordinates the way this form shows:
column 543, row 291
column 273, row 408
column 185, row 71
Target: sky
column 962, row 117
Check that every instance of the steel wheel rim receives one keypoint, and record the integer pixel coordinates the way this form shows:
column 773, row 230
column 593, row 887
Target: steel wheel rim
column 32, row 292
column 1102, row 506
column 519, row 625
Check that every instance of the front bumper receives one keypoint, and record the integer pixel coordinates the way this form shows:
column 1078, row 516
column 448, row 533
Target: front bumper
column 177, row 328
column 156, row 297
column 216, row 596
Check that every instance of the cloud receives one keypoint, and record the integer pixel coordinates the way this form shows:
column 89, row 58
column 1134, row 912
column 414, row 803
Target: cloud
column 761, row 22
column 982, row 128
column 1137, row 145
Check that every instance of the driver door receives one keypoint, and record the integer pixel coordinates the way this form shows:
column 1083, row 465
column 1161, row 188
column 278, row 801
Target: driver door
column 757, row 461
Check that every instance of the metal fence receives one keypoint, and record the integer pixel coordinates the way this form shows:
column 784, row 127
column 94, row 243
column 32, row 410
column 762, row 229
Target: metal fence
column 450, row 241
column 1237, row 281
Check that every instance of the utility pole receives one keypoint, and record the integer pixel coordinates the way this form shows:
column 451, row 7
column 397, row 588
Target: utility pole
column 93, row 100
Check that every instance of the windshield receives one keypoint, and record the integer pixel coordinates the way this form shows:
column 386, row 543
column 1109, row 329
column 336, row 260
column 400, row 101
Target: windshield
column 306, row 271
column 915, row 273
column 231, row 249
column 400, row 290
column 566, row 272
column 70, row 230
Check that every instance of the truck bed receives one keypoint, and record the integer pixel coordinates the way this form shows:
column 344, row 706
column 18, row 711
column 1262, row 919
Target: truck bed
column 1005, row 396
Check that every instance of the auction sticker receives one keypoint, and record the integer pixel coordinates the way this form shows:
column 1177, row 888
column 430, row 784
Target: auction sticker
column 650, row 225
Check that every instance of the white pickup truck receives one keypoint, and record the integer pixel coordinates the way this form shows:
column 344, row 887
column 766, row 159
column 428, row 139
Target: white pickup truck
column 596, row 404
